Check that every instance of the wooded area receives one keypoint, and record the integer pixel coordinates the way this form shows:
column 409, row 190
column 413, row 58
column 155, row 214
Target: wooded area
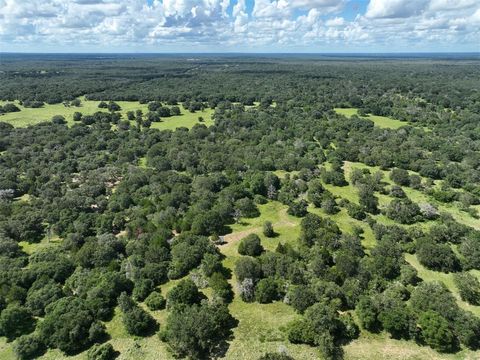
column 349, row 222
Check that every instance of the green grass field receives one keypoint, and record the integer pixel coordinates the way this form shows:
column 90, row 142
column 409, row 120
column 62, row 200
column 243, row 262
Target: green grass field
column 380, row 121
column 29, row 116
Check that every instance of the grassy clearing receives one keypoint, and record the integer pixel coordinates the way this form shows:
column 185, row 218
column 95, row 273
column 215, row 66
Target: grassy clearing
column 29, row 116
column 46, row 242
column 447, row 279
column 381, row 346
column 186, row 119
column 260, row 330
column 380, row 121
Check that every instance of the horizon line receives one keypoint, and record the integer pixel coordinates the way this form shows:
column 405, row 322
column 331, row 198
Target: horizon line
column 242, row 52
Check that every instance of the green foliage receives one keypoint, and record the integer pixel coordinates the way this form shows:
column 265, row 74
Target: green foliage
column 187, row 253
column 142, row 289
column 268, row 290
column 268, row 230
column 468, row 287
column 155, row 301
column 70, row 326
column 40, row 296
column 197, row 331
column 275, row 356
column 101, row 352
column 298, row 208
column 403, row 211
column 110, row 201
column 470, row 250
column 436, row 332
column 221, row 287
column 28, row 347
column 400, row 177
column 300, row 297
column 386, row 258
column 184, row 293
column 439, row 257
column 136, row 320
column 248, row 268
column 15, row 321
column 250, row 245
column 367, row 312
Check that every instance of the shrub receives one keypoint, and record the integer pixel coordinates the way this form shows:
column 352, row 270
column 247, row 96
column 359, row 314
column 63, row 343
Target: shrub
column 155, row 301
column 436, row 332
column 250, row 245
column 28, row 347
column 221, row 287
column 470, row 250
column 268, row 229
column 185, row 292
column 267, row 290
column 142, row 289
column 468, row 287
column 367, row 312
column 15, row 321
column 301, row 297
column 248, row 268
column 403, row 211
column 70, row 325
column 439, row 257
column 298, row 208
column 136, row 320
column 101, row 352
column 197, row 331
column 58, row 119
column 400, row 177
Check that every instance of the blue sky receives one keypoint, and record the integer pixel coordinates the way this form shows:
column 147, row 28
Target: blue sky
column 240, row 25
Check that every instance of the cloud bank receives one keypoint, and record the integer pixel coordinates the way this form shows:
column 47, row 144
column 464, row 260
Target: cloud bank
column 239, row 25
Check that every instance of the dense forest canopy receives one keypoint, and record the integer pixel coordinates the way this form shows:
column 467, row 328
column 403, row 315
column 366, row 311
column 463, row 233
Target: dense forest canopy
column 347, row 223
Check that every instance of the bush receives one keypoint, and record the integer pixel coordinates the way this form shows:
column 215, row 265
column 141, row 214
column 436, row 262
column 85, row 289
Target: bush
column 136, row 320
column 38, row 299
column 15, row 321
column 367, row 312
column 142, row 289
column 301, row 297
column 275, row 356
column 439, row 257
column 9, row 107
column 70, row 325
column 197, row 331
column 247, row 208
column 248, row 268
column 221, row 287
column 101, row 352
column 355, row 211
column 155, row 301
column 403, row 211
column 250, row 245
column 28, row 347
column 468, row 287
column 395, row 318
column 267, row 290
column 298, row 208
column 436, row 332
column 470, row 250
column 268, row 229
column 59, row 120
column 400, row 177
column 184, row 293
